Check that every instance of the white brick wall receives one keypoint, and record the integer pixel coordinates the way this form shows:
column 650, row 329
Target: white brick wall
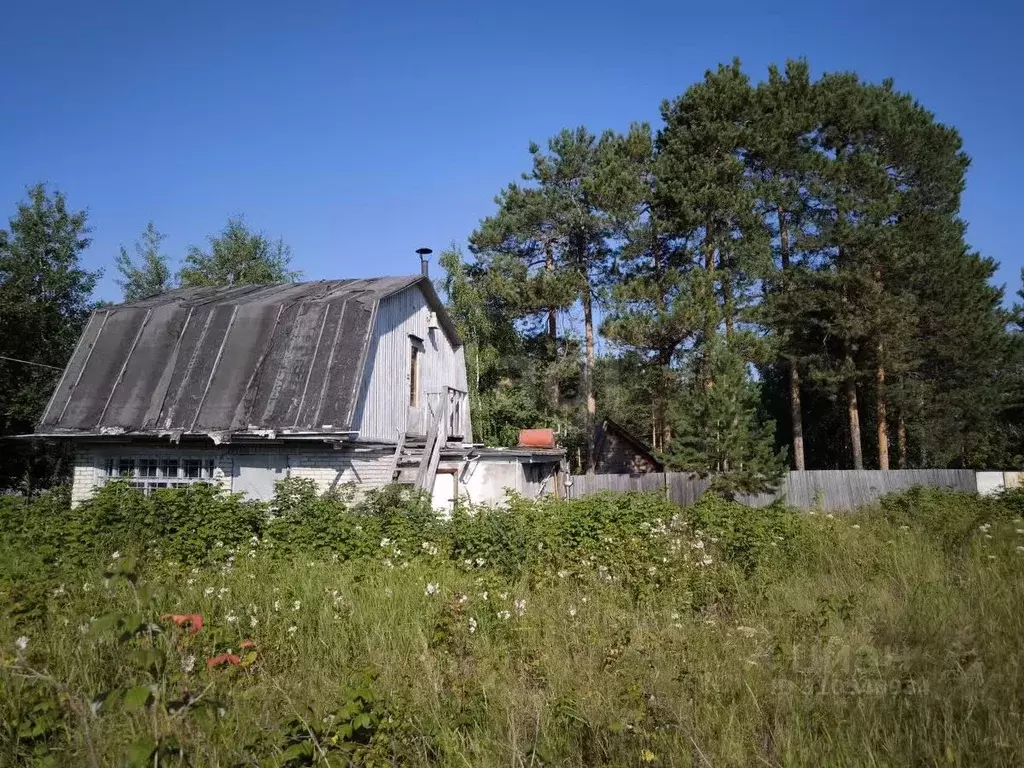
column 83, row 480
column 328, row 468
column 333, row 469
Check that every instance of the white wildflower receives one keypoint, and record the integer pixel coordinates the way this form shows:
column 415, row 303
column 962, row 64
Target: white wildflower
column 572, row 612
column 208, row 591
column 829, row 516
column 59, row 591
column 472, row 625
column 277, row 605
column 855, row 527
column 296, row 605
column 706, row 560
column 651, row 571
column 188, row 664
column 385, row 542
column 218, row 544
column 115, row 556
column 252, row 577
column 520, row 606
column 86, row 587
column 503, row 595
column 484, row 595
column 292, row 629
column 584, row 599
column 697, row 544
column 674, row 616
column 562, row 574
column 231, row 618
column 431, row 590
column 991, row 557
column 904, row 527
column 255, row 540
column 480, row 562
column 462, row 600
column 21, row 643
column 1020, row 530
column 988, row 535
column 253, row 621
column 504, row 615
column 984, row 527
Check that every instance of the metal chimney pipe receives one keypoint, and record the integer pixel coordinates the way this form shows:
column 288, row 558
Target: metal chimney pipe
column 424, row 261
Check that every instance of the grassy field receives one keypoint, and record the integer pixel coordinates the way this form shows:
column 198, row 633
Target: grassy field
column 611, row 631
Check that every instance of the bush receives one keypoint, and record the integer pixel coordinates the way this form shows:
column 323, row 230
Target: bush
column 612, row 630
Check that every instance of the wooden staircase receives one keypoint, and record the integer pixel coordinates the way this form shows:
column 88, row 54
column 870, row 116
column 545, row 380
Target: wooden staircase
column 415, row 460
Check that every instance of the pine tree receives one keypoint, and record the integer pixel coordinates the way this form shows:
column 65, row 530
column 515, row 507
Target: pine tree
column 708, row 200
column 651, row 311
column 782, row 162
column 548, row 241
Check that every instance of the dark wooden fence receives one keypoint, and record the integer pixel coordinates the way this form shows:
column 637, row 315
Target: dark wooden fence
column 831, row 489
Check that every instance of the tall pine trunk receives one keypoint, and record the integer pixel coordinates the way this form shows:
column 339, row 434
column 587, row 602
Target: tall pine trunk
column 553, row 389
column 795, row 415
column 901, row 440
column 706, row 373
column 880, row 417
column 796, row 418
column 591, row 420
column 662, row 428
column 853, row 417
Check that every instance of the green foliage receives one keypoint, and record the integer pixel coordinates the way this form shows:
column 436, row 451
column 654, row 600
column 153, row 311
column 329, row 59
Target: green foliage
column 952, row 520
column 873, row 632
column 149, row 273
column 238, row 256
column 44, row 303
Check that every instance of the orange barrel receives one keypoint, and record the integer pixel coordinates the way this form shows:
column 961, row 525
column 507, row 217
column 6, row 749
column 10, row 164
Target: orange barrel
column 536, row 438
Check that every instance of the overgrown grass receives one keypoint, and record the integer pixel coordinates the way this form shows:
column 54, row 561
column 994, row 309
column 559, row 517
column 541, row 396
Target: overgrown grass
column 612, row 631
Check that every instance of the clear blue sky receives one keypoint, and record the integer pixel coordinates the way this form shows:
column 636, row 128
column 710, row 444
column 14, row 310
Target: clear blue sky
column 360, row 131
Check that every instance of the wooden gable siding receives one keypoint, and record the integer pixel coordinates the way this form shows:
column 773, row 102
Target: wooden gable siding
column 382, row 409
column 617, row 453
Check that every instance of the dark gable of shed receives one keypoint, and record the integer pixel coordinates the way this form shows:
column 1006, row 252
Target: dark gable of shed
column 285, row 357
column 617, row 452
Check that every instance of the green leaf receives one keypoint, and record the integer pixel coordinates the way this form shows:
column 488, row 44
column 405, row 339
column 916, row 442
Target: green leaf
column 248, row 659
column 139, row 752
column 137, row 698
column 149, row 658
column 104, row 623
column 297, row 751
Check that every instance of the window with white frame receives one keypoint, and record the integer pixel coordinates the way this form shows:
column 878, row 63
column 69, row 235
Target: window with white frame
column 148, row 473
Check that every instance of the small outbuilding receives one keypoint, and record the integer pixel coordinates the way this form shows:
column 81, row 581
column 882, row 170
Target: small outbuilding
column 617, row 452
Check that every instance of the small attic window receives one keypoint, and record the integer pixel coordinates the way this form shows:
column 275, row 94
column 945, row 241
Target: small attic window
column 415, row 354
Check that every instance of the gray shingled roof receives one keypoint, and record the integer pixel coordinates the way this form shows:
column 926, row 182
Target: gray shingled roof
column 219, row 361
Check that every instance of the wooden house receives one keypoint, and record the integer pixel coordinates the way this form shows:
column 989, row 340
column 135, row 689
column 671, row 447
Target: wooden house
column 338, row 381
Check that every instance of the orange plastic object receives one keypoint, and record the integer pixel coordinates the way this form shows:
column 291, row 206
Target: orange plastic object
column 536, row 438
